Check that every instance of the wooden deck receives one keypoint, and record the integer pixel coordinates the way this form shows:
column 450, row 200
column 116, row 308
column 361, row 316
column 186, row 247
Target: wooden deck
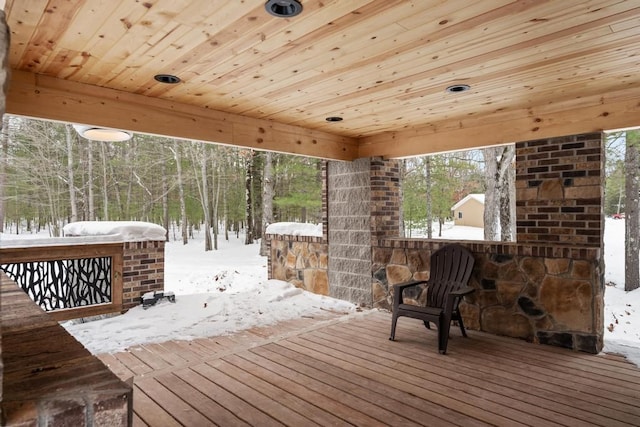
column 347, row 372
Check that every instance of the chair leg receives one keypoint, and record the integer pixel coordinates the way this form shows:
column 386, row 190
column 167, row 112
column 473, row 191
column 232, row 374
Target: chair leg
column 461, row 324
column 443, row 335
column 427, row 324
column 394, row 319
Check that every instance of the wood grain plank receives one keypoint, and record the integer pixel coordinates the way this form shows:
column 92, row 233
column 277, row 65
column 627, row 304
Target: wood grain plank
column 354, row 408
column 235, row 404
column 476, row 406
column 204, row 404
column 150, row 412
column 264, row 403
column 458, row 376
column 179, row 409
column 259, row 380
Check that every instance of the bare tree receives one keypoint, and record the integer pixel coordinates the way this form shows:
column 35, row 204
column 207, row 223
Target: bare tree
column 199, row 160
column 632, row 213
column 249, row 237
column 183, row 208
column 73, row 204
column 4, row 159
column 499, row 202
column 267, row 199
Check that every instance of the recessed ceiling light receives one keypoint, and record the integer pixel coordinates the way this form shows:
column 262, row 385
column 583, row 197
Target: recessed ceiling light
column 458, row 88
column 167, row 78
column 283, row 8
column 334, row 119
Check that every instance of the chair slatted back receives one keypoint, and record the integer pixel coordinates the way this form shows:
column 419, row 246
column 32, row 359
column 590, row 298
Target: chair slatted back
column 451, row 268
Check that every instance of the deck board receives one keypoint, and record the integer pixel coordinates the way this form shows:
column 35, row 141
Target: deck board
column 345, row 371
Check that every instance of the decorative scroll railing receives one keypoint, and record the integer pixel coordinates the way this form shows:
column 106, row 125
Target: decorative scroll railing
column 68, row 281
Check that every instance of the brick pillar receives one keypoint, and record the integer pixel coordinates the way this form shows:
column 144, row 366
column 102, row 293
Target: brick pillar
column 349, row 218
column 143, row 270
column 560, row 189
column 385, row 199
column 560, row 192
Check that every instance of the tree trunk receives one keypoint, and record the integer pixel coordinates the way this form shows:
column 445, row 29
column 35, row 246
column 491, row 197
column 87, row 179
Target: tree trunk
column 267, row 199
column 632, row 214
column 165, row 193
column 179, row 183
column 205, row 199
column 105, row 182
column 90, row 195
column 69, row 134
column 249, row 198
column 491, row 196
column 507, row 193
column 4, row 160
column 427, row 176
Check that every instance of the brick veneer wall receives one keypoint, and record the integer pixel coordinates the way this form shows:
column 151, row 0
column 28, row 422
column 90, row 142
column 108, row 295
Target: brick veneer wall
column 143, row 270
column 548, row 287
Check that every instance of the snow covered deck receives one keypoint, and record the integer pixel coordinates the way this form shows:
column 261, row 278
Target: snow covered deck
column 347, row 372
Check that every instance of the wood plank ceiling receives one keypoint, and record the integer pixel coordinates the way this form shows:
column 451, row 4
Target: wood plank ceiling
column 536, row 68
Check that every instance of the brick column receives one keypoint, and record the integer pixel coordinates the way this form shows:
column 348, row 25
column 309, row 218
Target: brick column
column 143, row 270
column 349, row 218
column 560, row 188
column 385, row 199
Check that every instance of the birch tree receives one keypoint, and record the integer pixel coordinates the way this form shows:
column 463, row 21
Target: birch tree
column 499, row 202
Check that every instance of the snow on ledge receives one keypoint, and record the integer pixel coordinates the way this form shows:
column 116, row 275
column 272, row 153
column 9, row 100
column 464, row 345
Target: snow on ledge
column 295, row 229
column 127, row 231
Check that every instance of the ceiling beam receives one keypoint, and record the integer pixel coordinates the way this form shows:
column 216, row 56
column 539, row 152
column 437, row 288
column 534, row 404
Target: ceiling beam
column 50, row 98
column 614, row 110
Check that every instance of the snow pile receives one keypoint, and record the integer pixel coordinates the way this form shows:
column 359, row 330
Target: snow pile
column 621, row 310
column 129, row 231
column 216, row 293
column 236, row 307
column 295, row 229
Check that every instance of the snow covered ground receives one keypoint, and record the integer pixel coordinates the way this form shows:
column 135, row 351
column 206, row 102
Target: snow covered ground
column 224, row 291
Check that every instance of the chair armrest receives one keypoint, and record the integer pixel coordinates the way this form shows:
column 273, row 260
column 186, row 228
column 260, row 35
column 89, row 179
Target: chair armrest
column 462, row 292
column 410, row 283
column 397, row 290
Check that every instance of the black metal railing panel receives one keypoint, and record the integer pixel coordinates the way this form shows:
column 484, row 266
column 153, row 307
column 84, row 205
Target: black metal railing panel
column 63, row 284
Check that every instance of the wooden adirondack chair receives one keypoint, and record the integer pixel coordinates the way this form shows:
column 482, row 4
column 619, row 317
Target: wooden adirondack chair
column 451, row 268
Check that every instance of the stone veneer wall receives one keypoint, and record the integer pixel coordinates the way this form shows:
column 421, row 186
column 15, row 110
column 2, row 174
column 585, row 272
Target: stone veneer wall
column 143, row 270
column 299, row 260
column 548, row 287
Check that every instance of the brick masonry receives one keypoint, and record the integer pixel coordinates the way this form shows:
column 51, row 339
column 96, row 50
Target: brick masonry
column 143, row 270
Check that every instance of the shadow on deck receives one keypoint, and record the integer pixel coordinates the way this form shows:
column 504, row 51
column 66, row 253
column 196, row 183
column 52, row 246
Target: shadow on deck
column 346, row 372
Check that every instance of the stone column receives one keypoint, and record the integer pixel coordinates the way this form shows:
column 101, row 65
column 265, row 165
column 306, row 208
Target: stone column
column 349, row 208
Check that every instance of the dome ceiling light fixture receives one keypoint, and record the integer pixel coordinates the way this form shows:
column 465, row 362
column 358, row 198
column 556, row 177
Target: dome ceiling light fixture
column 169, row 79
column 458, row 88
column 283, row 8
column 95, row 133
